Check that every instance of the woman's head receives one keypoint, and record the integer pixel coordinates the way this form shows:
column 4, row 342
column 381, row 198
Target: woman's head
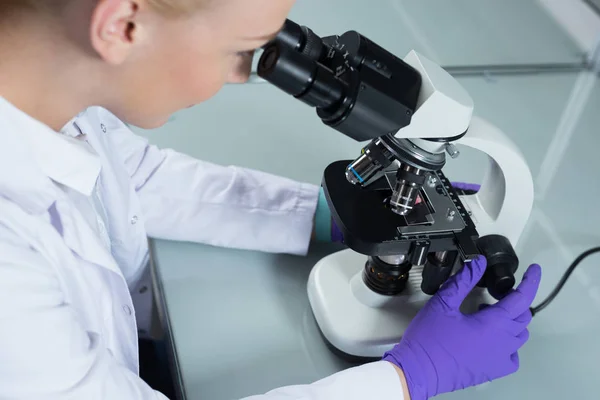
column 153, row 57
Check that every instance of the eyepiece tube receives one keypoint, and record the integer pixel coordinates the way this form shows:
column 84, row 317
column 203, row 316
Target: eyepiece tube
column 290, row 71
column 300, row 76
column 291, row 35
column 300, row 39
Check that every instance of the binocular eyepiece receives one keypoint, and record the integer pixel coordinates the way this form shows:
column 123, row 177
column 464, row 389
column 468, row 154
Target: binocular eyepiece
column 357, row 87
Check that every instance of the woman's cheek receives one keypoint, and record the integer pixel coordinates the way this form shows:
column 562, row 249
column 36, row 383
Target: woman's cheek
column 205, row 82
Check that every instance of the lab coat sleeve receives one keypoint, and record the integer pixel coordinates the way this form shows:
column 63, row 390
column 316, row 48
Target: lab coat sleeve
column 191, row 200
column 377, row 380
column 45, row 351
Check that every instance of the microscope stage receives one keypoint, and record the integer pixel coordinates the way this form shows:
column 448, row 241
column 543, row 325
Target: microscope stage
column 370, row 227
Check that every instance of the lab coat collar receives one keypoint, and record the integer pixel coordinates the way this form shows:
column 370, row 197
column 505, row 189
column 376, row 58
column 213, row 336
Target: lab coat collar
column 33, row 154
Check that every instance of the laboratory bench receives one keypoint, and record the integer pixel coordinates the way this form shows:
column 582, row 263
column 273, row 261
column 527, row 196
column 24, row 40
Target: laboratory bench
column 239, row 322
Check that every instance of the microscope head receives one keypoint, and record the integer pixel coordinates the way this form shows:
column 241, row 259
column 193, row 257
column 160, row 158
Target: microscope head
column 444, row 108
column 409, row 110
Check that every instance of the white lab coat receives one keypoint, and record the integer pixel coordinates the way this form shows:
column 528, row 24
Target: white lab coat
column 75, row 212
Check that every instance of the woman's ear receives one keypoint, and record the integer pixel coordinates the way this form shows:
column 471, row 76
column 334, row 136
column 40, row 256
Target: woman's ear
column 115, row 29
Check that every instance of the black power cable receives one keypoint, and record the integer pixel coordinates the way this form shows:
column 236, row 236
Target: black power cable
column 561, row 284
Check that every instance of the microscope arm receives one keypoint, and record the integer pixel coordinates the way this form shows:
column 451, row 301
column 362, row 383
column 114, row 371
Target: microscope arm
column 503, row 204
column 505, row 200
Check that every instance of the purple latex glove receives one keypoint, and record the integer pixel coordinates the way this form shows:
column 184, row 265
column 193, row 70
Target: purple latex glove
column 336, row 233
column 466, row 186
column 444, row 350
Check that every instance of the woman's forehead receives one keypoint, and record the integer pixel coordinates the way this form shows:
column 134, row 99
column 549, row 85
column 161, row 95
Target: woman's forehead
column 253, row 19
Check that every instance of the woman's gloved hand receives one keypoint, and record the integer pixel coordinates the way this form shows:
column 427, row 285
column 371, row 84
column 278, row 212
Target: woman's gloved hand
column 444, row 350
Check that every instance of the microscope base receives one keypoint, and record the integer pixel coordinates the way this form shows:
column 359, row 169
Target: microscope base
column 354, row 319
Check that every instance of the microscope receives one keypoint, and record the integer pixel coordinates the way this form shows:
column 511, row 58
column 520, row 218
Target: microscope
column 406, row 227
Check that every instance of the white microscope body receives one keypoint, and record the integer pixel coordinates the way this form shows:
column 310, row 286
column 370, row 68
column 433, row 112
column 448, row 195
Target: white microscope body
column 360, row 322
column 406, row 227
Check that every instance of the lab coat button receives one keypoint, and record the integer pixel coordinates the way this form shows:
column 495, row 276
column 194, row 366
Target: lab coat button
column 127, row 309
column 103, row 127
column 134, row 220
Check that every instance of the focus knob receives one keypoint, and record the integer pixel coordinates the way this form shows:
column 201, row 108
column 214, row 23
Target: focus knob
column 502, row 263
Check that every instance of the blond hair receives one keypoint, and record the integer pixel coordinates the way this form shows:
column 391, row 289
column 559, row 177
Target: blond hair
column 167, row 7
column 176, row 7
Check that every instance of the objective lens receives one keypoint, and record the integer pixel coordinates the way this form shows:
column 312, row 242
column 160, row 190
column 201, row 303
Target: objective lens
column 374, row 158
column 361, row 170
column 409, row 181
